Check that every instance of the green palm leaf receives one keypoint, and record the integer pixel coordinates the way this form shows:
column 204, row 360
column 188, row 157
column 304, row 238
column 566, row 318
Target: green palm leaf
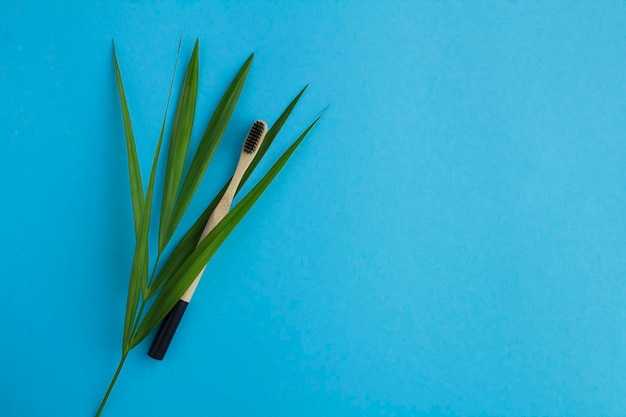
column 189, row 242
column 136, row 187
column 188, row 258
column 138, row 282
column 179, row 143
column 206, row 249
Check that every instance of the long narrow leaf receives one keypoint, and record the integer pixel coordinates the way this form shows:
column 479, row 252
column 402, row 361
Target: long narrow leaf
column 139, row 271
column 179, row 143
column 136, row 187
column 211, row 138
column 189, row 242
column 207, row 248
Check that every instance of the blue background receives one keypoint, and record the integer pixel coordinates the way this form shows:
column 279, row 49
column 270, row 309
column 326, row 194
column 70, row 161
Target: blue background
column 449, row 241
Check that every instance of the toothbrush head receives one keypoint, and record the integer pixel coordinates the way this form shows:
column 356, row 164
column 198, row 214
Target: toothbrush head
column 255, row 136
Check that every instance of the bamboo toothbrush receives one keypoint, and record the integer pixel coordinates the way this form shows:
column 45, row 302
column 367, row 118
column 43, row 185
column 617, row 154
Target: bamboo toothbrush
column 170, row 323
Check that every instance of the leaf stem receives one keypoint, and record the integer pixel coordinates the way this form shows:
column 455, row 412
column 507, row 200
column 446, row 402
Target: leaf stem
column 156, row 265
column 137, row 320
column 106, row 396
column 144, row 300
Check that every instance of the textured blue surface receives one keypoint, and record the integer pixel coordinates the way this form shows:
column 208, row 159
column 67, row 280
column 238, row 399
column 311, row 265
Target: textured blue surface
column 450, row 241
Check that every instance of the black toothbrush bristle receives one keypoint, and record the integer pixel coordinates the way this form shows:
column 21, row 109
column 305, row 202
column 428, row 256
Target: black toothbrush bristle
column 254, row 136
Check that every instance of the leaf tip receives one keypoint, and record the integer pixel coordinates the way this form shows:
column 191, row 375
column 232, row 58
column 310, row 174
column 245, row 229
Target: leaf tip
column 303, row 90
column 194, row 54
column 321, row 115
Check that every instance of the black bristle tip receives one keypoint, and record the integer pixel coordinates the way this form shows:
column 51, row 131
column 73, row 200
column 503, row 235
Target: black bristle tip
column 254, row 136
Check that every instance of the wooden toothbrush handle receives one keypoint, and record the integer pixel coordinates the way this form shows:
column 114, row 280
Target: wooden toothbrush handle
column 168, row 328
